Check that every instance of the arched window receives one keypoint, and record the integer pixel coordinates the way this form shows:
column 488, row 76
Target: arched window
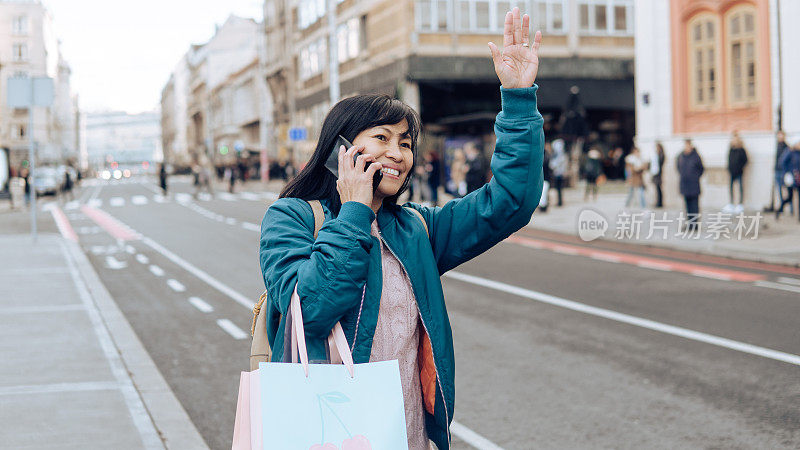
column 740, row 25
column 703, row 38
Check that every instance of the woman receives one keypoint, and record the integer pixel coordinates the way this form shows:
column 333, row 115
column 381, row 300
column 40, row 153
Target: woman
column 690, row 168
column 635, row 168
column 372, row 266
column 737, row 159
column 592, row 169
column 559, row 165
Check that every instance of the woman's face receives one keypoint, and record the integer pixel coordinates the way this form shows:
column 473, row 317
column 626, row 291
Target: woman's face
column 391, row 146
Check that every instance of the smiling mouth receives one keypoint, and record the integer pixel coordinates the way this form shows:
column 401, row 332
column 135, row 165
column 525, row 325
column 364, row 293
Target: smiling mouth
column 392, row 173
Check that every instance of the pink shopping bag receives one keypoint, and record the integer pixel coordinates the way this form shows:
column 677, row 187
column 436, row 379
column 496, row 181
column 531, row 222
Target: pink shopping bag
column 247, row 433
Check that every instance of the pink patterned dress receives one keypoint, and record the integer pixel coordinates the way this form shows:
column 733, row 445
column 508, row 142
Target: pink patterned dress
column 397, row 337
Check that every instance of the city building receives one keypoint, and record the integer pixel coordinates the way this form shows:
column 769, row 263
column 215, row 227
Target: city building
column 433, row 54
column 213, row 103
column 123, row 138
column 705, row 69
column 29, row 48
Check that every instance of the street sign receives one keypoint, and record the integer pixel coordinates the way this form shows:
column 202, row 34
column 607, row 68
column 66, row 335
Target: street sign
column 19, row 92
column 298, row 134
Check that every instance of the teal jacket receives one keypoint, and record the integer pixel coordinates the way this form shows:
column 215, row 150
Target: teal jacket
column 339, row 275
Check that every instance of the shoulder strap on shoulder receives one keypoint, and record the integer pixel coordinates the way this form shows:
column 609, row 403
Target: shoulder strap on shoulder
column 419, row 215
column 319, row 215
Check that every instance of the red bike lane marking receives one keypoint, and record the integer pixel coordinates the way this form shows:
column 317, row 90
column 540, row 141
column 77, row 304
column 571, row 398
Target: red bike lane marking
column 112, row 226
column 639, row 261
column 64, row 227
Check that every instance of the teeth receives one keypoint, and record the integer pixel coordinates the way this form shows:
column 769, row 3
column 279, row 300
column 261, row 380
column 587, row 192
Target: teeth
column 394, row 172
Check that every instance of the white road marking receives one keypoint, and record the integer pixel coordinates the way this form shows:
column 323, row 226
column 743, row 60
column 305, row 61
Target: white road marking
column 271, row 195
column 59, row 387
column 130, row 250
column 773, row 285
column 226, row 196
column 230, row 221
column 472, row 438
column 788, row 280
column 232, row 329
column 709, row 274
column 117, row 201
column 606, row 258
column 139, row 200
column 113, row 264
column 632, row 320
column 183, row 197
column 71, row 205
column 98, row 249
column 211, row 281
column 158, row 198
column 249, row 196
column 88, row 230
column 204, row 196
column 157, row 271
column 176, row 285
column 654, row 265
column 251, row 227
column 95, row 202
column 198, row 303
column 565, row 250
column 142, row 258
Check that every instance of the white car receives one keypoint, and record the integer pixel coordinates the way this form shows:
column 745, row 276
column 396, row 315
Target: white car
column 46, row 181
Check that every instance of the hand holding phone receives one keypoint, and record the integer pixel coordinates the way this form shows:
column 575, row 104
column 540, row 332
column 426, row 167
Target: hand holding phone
column 332, row 163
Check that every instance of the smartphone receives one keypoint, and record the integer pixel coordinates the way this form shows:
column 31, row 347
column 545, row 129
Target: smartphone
column 333, row 161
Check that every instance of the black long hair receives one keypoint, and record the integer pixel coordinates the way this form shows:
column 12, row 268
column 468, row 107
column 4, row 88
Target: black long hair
column 348, row 118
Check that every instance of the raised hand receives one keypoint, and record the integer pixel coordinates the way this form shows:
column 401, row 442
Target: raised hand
column 516, row 66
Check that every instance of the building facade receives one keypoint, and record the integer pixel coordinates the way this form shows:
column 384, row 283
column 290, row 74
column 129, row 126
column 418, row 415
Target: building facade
column 29, row 48
column 123, row 138
column 707, row 68
column 433, row 55
column 212, row 106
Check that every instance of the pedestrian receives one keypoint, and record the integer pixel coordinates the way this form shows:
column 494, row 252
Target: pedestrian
column 592, row 169
column 559, row 165
column 476, row 167
column 68, row 185
column 690, row 168
column 635, row 167
column 547, row 174
column 372, row 268
column 737, row 160
column 780, row 147
column 162, row 178
column 790, row 163
column 458, row 173
column 25, row 174
column 656, row 169
column 433, row 173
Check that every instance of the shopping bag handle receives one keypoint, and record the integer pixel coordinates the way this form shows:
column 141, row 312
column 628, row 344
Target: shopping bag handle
column 340, row 352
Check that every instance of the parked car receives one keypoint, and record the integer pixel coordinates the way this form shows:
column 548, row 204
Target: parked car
column 46, row 181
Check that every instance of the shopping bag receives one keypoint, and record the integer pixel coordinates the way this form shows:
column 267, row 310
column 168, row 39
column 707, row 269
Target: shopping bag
column 241, row 426
column 330, row 406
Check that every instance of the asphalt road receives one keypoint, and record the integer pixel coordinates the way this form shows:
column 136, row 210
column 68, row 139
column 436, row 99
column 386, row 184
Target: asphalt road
column 555, row 347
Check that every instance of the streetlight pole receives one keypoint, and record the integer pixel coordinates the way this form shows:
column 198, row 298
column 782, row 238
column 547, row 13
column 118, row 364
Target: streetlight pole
column 31, row 162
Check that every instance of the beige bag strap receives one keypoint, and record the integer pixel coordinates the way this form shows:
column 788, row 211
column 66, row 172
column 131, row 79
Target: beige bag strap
column 259, row 348
column 419, row 215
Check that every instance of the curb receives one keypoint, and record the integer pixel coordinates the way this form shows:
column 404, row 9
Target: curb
column 171, row 421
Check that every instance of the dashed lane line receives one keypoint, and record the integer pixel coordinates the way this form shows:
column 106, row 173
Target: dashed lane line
column 773, row 285
column 142, row 258
column 625, row 318
column 157, row 271
column 472, row 438
column 787, row 280
column 251, row 227
column 139, row 200
column 201, row 305
column 232, row 329
column 176, row 285
column 116, row 201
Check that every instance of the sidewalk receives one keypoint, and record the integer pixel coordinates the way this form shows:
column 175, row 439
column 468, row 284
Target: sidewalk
column 73, row 374
column 777, row 242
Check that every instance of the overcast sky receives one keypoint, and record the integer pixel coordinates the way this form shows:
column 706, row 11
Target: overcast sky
column 122, row 51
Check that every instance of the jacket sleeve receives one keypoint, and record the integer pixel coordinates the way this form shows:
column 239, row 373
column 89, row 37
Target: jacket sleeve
column 466, row 227
column 329, row 272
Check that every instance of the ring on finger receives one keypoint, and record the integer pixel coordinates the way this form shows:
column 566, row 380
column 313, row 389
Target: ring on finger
column 525, row 44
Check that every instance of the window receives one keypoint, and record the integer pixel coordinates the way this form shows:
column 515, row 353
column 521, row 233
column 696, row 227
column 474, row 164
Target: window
column 20, row 25
column 18, row 131
column 703, row 44
column 348, row 39
column 431, row 15
column 741, row 53
column 606, row 16
column 312, row 59
column 549, row 16
column 309, row 11
column 20, row 52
